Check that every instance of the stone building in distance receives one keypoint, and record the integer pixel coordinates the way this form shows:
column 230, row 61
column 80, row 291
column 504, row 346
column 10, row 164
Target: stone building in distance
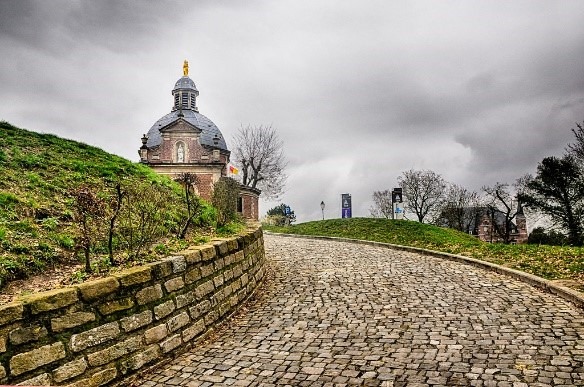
column 186, row 141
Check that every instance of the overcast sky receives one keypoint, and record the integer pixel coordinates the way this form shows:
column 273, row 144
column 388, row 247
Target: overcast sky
column 478, row 91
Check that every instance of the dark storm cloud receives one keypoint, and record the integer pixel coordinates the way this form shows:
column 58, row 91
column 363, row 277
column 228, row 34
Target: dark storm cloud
column 54, row 25
column 478, row 91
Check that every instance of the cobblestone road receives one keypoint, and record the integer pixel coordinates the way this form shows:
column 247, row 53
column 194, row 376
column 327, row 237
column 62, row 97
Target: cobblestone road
column 345, row 314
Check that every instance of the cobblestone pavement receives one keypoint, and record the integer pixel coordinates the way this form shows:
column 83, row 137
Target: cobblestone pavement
column 343, row 314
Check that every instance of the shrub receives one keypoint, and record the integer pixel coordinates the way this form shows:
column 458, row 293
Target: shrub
column 89, row 216
column 225, row 194
column 148, row 213
column 539, row 236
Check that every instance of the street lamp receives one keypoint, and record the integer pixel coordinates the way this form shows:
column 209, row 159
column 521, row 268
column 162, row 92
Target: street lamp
column 322, row 209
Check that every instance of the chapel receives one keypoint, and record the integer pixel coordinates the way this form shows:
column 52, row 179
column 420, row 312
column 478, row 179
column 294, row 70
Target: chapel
column 184, row 140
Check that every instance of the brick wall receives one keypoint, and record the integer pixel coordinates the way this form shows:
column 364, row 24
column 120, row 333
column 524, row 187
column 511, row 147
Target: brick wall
column 102, row 331
column 205, row 186
column 250, row 206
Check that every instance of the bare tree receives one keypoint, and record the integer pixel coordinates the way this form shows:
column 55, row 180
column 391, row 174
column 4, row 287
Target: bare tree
column 502, row 208
column 115, row 208
column 89, row 216
column 188, row 181
column 424, row 193
column 259, row 153
column 460, row 209
column 577, row 148
column 382, row 206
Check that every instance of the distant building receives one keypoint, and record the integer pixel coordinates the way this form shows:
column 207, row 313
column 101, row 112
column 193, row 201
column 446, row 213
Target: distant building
column 485, row 223
column 186, row 141
column 490, row 221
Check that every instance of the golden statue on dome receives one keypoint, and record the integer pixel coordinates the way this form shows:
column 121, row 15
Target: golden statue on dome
column 186, row 68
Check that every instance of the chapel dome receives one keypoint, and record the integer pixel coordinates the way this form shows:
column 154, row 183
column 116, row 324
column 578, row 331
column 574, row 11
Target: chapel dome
column 185, row 95
column 210, row 133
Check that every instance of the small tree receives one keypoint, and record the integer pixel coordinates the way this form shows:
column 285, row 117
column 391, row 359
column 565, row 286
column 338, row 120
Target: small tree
column 460, row 209
column 502, row 208
column 382, row 206
column 89, row 216
column 424, row 193
column 225, row 195
column 558, row 191
column 279, row 216
column 259, row 154
column 188, row 181
column 114, row 211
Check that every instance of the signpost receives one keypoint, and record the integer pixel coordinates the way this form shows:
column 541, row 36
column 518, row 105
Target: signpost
column 288, row 214
column 397, row 203
column 346, row 205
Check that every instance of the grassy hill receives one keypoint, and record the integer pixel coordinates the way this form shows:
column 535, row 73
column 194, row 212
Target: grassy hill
column 551, row 262
column 37, row 175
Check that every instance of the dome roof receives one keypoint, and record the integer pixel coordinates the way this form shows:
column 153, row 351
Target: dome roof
column 208, row 128
column 185, row 93
column 185, row 83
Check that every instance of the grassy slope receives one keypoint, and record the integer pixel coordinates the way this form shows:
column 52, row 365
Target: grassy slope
column 552, row 262
column 37, row 171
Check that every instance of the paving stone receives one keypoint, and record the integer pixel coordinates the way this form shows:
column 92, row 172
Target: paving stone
column 341, row 314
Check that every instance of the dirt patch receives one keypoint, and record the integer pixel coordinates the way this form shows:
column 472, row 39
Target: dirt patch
column 51, row 278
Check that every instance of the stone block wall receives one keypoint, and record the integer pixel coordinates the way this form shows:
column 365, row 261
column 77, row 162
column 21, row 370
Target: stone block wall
column 102, row 331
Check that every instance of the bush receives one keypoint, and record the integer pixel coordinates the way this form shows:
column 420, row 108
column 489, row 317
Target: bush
column 225, row 194
column 539, row 236
column 149, row 212
column 280, row 215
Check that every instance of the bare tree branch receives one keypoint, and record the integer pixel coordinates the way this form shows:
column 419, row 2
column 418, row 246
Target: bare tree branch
column 460, row 209
column 501, row 202
column 259, row 153
column 424, row 192
column 382, row 206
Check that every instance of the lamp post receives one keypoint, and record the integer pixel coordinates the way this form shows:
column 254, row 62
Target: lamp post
column 322, row 209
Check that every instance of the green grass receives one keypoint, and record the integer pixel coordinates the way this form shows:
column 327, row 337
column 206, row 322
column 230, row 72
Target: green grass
column 38, row 173
column 551, row 262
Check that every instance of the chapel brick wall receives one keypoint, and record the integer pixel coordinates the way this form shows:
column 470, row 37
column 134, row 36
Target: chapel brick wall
column 102, row 331
column 250, row 206
column 205, row 186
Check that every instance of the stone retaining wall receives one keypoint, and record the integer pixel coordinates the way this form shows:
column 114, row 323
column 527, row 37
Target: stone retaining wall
column 101, row 331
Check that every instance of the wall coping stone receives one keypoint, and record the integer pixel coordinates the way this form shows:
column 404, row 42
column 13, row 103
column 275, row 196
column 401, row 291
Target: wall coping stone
column 93, row 290
column 51, row 299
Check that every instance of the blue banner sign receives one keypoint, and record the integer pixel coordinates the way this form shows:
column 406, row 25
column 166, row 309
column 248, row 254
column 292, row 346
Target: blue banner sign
column 346, row 205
